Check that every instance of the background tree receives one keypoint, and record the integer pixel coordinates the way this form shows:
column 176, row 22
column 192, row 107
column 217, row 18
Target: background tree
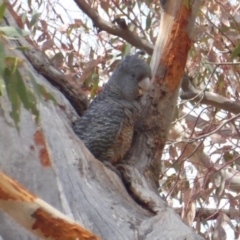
column 199, row 164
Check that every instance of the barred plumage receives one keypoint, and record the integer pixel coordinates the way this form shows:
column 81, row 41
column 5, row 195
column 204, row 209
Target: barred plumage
column 107, row 126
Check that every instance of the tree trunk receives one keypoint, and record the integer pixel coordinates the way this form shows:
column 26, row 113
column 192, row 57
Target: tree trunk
column 61, row 171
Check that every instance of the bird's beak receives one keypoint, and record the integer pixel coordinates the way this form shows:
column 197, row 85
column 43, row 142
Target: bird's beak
column 143, row 86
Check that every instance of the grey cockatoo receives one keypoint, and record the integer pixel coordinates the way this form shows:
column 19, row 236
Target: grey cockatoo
column 107, row 127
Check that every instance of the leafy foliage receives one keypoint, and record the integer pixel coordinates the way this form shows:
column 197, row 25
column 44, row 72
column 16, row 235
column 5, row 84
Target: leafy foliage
column 14, row 83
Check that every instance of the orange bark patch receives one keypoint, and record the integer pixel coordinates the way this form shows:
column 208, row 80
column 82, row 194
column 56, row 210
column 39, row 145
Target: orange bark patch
column 59, row 229
column 175, row 55
column 11, row 190
column 43, row 153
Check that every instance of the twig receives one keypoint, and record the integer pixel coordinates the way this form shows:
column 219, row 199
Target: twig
column 217, row 129
column 223, row 63
column 103, row 25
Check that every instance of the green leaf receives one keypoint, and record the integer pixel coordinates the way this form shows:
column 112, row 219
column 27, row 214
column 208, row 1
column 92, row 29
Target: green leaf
column 2, row 58
column 209, row 67
column 47, row 95
column 13, row 32
column 70, row 29
column 19, row 94
column 176, row 113
column 126, row 49
column 35, row 87
column 2, row 10
column 7, row 79
column 12, row 63
column 148, row 21
column 34, row 19
column 11, row 87
column 236, row 51
column 41, row 91
column 33, row 106
column 95, row 79
column 22, row 48
column 16, row 107
column 2, row 86
column 26, row 96
column 227, row 156
column 22, row 90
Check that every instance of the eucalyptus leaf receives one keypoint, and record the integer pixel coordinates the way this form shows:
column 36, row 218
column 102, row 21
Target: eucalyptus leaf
column 148, row 20
column 11, row 86
column 2, row 10
column 47, row 95
column 35, row 87
column 34, row 19
column 13, row 32
column 236, row 51
column 2, row 58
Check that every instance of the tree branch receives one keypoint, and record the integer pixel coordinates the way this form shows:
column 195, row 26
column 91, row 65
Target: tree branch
column 103, row 25
column 172, row 45
column 159, row 103
column 194, row 153
column 37, row 216
column 213, row 99
column 69, row 89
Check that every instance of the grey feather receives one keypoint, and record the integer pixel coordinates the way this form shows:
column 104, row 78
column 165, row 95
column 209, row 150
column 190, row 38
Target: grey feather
column 107, row 126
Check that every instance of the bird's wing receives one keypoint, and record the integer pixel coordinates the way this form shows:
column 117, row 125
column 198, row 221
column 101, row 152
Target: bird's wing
column 100, row 126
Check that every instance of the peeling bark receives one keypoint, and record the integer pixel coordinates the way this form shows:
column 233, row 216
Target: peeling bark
column 168, row 62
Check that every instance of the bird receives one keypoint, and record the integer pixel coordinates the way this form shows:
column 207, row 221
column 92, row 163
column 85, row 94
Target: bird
column 107, row 126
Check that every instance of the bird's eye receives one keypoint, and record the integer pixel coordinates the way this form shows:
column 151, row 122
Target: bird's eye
column 133, row 75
